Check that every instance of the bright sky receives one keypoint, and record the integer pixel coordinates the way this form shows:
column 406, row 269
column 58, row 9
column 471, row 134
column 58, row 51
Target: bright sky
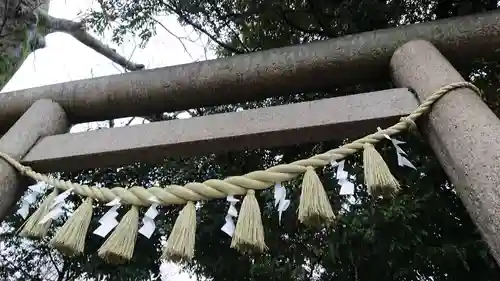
column 66, row 59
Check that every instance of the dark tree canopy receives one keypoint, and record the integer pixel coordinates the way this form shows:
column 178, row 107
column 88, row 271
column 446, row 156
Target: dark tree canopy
column 424, row 234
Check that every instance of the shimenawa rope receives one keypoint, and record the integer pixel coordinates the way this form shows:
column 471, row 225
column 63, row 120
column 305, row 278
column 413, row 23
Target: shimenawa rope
column 236, row 185
column 248, row 236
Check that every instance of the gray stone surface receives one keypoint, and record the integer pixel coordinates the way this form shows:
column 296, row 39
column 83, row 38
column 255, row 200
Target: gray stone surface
column 321, row 65
column 42, row 119
column 334, row 118
column 463, row 132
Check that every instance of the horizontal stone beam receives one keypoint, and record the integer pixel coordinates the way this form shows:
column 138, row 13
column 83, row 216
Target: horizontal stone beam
column 327, row 119
column 353, row 59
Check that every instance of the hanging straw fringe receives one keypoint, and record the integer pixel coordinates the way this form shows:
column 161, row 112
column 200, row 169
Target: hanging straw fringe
column 249, row 233
column 119, row 247
column 33, row 229
column 378, row 177
column 314, row 206
column 180, row 243
column 70, row 238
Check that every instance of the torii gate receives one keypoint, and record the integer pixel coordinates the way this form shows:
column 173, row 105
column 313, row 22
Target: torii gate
column 463, row 132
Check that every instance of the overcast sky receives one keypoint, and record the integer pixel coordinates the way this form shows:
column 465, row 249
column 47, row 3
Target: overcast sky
column 65, row 59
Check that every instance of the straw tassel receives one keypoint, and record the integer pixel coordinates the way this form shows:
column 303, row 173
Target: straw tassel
column 314, row 206
column 33, row 229
column 249, row 233
column 119, row 247
column 180, row 243
column 378, row 177
column 70, row 238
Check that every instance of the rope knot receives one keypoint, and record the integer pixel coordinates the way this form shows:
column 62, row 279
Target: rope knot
column 410, row 123
column 24, row 170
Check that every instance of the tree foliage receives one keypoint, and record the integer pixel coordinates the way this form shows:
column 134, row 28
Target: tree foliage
column 424, row 234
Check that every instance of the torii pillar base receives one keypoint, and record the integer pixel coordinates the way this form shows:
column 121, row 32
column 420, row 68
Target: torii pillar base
column 463, row 132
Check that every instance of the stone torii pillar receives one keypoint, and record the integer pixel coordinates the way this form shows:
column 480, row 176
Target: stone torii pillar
column 463, row 132
column 43, row 118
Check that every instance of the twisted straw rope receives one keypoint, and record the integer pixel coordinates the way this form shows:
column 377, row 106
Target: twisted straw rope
column 236, row 185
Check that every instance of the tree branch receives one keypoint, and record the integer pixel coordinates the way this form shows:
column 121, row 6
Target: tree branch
column 64, row 270
column 316, row 11
column 287, row 20
column 171, row 33
column 198, row 27
column 16, row 268
column 77, row 30
column 53, row 262
column 5, row 16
